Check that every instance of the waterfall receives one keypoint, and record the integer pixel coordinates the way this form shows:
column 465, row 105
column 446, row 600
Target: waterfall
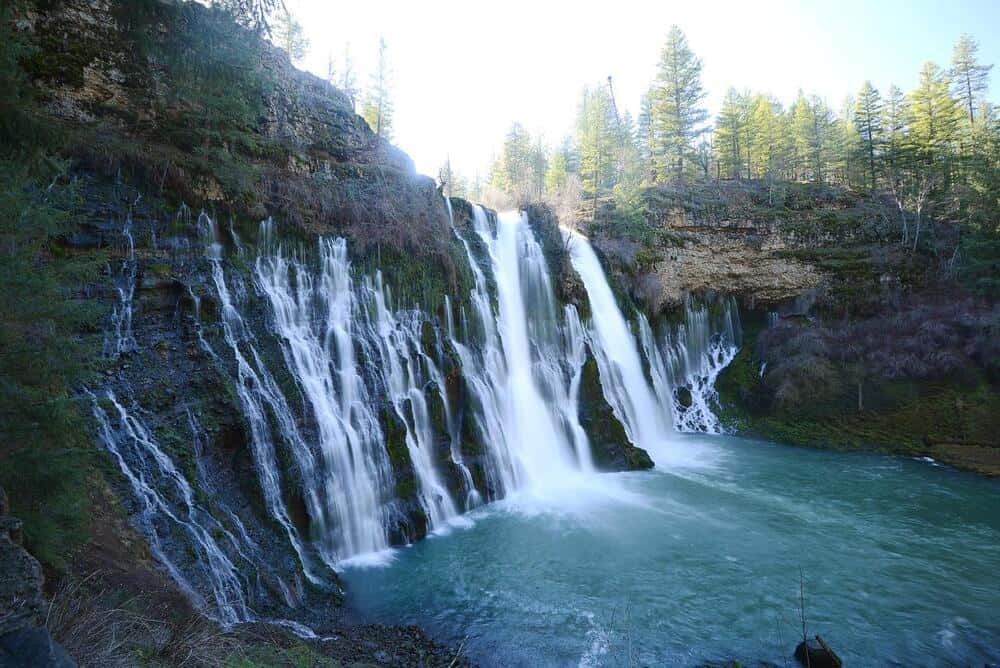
column 517, row 367
column 260, row 398
column 167, row 504
column 622, row 376
column 344, row 347
column 683, row 365
column 119, row 339
column 313, row 315
column 405, row 372
column 686, row 362
column 347, row 399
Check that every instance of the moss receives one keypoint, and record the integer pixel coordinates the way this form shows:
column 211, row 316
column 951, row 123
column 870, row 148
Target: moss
column 903, row 417
column 610, row 447
column 177, row 445
column 159, row 270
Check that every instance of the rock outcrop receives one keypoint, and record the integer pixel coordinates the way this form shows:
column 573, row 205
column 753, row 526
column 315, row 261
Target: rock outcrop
column 738, row 257
column 24, row 640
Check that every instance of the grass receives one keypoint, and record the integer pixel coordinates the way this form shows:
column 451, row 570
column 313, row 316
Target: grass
column 104, row 627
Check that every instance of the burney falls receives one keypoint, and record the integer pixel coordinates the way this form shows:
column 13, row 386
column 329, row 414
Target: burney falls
column 476, row 334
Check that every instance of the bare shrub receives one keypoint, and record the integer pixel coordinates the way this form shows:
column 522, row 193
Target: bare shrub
column 922, row 340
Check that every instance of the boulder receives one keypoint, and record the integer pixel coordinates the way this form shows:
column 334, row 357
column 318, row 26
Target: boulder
column 32, row 647
column 815, row 653
column 24, row 640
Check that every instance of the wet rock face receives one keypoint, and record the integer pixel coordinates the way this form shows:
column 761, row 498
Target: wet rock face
column 24, row 640
column 609, row 444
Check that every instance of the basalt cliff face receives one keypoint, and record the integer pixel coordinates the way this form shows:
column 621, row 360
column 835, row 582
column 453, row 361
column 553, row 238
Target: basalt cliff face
column 295, row 351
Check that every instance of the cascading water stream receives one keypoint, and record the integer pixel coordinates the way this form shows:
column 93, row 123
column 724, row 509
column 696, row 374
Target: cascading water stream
column 332, row 365
column 119, row 339
column 260, row 397
column 622, row 376
column 401, row 362
column 167, row 502
column 690, row 358
column 313, row 316
column 523, row 380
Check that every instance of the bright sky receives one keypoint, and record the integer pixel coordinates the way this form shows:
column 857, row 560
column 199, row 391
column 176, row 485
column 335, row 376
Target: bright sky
column 464, row 70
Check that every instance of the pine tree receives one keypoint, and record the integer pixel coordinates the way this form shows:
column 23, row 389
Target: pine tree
column 729, row 133
column 596, row 138
column 557, row 174
column 562, row 165
column 893, row 125
column 290, row 36
column 767, row 132
column 538, row 164
column 969, row 79
column 934, row 116
column 644, row 136
column 515, row 171
column 811, row 130
column 377, row 107
column 677, row 114
column 452, row 183
column 846, row 146
column 868, row 121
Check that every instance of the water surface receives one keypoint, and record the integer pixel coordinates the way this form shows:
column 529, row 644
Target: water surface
column 701, row 561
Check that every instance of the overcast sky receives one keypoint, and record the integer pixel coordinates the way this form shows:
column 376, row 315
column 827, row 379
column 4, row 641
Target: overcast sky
column 463, row 71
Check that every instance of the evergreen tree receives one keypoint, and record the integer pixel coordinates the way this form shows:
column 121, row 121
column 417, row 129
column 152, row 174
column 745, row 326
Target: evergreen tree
column 290, row 36
column 868, row 122
column 729, row 134
column 561, row 167
column 514, row 172
column 934, row 116
column 893, row 125
column 644, row 136
column 557, row 174
column 846, row 146
column 538, row 163
column 969, row 79
column 597, row 141
column 768, row 137
column 811, row 132
column 377, row 108
column 452, row 183
column 677, row 112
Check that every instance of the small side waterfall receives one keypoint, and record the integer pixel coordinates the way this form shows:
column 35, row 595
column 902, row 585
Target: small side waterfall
column 685, row 363
column 167, row 503
column 406, row 374
column 119, row 340
column 262, row 401
column 314, row 317
column 622, row 375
